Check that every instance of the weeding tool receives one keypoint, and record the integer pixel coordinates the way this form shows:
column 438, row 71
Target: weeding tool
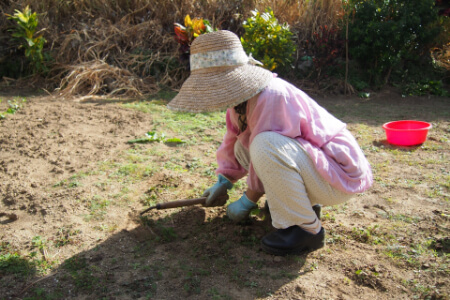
column 181, row 203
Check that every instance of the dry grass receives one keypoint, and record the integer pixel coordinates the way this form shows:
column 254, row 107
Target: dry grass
column 314, row 14
column 94, row 43
column 133, row 39
column 98, row 77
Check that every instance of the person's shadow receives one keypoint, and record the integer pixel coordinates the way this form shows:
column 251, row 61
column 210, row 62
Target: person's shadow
column 173, row 254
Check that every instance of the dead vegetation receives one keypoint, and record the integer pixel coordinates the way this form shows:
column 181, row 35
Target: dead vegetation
column 125, row 48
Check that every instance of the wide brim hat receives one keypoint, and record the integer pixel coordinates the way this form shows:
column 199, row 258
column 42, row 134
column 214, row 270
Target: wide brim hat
column 222, row 75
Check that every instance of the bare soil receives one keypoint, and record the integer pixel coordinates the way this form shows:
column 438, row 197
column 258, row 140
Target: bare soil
column 92, row 245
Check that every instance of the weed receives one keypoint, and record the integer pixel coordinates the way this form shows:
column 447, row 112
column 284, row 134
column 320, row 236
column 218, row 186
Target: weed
column 98, row 208
column 334, row 238
column 75, row 263
column 251, row 284
column 421, row 290
column 313, row 266
column 84, row 279
column 65, row 236
column 284, row 274
column 43, row 294
column 369, row 235
column 183, row 124
column 15, row 264
column 328, row 217
column 192, row 283
column 39, row 242
column 169, row 165
column 248, row 238
column 403, row 218
column 368, row 276
column 13, row 106
column 216, row 295
column 165, row 234
column 74, row 184
column 106, row 228
column 80, row 272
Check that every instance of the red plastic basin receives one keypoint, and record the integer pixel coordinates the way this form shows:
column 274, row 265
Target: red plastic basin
column 407, row 132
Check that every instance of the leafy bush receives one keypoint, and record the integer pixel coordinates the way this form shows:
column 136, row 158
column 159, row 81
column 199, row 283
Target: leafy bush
column 25, row 32
column 433, row 87
column 268, row 41
column 384, row 34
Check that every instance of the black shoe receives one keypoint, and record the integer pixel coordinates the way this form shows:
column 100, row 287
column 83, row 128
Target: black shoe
column 292, row 240
column 317, row 209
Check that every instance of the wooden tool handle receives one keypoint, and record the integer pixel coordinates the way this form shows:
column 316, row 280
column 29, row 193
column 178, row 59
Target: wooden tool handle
column 180, row 203
column 187, row 202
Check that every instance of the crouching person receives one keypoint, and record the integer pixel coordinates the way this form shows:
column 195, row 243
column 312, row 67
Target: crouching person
column 291, row 149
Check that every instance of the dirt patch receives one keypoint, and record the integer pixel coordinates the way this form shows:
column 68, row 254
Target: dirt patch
column 73, row 224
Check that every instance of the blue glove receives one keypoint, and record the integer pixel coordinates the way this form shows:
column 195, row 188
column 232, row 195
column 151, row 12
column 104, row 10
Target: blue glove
column 239, row 210
column 216, row 191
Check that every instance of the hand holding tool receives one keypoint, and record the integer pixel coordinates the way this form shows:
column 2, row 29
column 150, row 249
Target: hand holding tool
column 213, row 194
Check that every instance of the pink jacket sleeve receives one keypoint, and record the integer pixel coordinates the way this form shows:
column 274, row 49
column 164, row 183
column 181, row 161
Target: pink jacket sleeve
column 228, row 165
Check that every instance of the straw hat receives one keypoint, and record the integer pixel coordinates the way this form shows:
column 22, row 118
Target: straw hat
column 222, row 75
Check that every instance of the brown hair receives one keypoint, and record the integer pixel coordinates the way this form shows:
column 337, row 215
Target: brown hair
column 241, row 109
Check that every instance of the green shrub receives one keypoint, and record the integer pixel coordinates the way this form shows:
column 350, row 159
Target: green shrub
column 384, row 34
column 268, row 41
column 424, row 87
column 25, row 32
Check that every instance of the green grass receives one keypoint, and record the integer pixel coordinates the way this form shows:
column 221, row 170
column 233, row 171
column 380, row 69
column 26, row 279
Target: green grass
column 98, row 208
column 16, row 264
column 189, row 127
column 21, row 264
column 81, row 273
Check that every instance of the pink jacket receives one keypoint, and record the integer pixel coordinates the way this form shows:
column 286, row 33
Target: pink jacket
column 283, row 108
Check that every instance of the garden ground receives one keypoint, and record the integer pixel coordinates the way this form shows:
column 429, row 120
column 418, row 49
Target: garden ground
column 71, row 189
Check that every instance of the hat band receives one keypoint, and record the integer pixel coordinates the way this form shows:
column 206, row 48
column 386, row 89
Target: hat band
column 221, row 58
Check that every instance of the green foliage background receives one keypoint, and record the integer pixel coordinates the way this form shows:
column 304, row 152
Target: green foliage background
column 386, row 35
column 269, row 41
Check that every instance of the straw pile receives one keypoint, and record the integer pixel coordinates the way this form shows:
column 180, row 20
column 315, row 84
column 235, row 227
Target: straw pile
column 99, row 78
column 116, row 59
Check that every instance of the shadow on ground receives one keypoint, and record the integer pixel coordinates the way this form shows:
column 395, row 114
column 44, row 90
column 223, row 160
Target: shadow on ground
column 177, row 256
